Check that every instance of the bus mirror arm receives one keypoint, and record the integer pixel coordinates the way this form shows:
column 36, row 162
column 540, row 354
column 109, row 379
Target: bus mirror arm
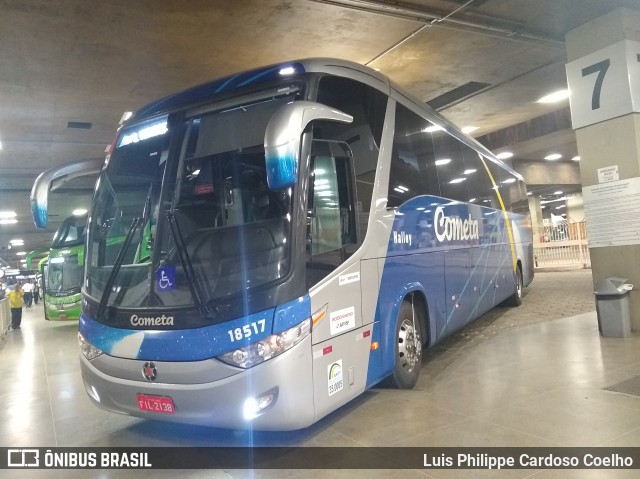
column 282, row 138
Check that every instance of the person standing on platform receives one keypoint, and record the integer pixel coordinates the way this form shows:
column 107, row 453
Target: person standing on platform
column 16, row 301
column 27, row 289
column 36, row 292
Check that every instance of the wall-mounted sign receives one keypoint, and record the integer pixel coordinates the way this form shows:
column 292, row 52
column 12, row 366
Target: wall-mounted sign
column 612, row 211
column 605, row 84
column 607, row 174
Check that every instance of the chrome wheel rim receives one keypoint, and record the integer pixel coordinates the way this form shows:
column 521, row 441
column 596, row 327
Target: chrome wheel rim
column 409, row 350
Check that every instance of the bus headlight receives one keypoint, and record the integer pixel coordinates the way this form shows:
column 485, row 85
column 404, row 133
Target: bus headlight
column 267, row 348
column 87, row 349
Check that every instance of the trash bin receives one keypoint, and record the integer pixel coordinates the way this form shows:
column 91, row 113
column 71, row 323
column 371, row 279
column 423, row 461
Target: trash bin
column 612, row 306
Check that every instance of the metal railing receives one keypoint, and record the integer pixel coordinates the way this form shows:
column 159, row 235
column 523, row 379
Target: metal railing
column 561, row 244
column 5, row 316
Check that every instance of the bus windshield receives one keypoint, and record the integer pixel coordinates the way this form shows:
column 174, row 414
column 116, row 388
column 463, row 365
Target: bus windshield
column 64, row 275
column 194, row 229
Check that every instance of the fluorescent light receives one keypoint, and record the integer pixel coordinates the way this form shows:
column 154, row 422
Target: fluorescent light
column 469, row 129
column 557, row 192
column 555, row 97
column 553, row 156
column 432, row 128
column 575, row 158
column 16, row 242
column 443, row 161
column 509, row 180
column 8, row 222
column 469, row 171
column 504, row 155
column 7, row 214
column 79, row 212
column 21, row 253
column 457, row 180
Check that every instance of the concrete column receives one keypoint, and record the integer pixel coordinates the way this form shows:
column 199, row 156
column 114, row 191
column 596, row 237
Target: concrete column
column 606, row 117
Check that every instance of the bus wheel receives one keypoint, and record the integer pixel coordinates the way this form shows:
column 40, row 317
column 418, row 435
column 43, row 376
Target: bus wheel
column 515, row 299
column 408, row 350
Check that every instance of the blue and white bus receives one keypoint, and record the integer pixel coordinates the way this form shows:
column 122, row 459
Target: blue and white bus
column 309, row 227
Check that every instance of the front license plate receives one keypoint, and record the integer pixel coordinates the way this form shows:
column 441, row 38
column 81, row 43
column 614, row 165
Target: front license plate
column 157, row 404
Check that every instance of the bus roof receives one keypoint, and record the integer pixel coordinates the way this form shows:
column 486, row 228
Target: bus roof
column 201, row 92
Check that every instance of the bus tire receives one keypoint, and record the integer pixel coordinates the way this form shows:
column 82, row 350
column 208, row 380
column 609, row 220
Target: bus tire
column 515, row 299
column 408, row 347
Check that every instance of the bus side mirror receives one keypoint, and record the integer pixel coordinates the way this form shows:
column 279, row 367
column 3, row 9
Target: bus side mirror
column 282, row 139
column 52, row 179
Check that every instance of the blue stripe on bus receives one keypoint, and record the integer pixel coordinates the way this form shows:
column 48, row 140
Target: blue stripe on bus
column 419, row 253
column 193, row 344
column 288, row 315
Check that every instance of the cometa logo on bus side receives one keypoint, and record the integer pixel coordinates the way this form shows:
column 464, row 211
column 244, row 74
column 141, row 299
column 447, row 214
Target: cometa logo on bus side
column 454, row 228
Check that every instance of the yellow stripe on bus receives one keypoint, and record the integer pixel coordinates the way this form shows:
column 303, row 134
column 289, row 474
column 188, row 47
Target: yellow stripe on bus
column 506, row 215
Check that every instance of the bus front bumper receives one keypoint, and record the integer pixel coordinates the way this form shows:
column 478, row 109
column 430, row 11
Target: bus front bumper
column 282, row 385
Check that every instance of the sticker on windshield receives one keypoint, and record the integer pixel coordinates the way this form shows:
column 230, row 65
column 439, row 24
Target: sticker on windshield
column 166, row 278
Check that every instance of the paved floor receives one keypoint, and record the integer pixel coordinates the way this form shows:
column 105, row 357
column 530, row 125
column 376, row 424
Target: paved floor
column 531, row 376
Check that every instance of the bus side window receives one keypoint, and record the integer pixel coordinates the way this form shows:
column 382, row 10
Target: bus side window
column 451, row 166
column 367, row 106
column 331, row 221
column 413, row 168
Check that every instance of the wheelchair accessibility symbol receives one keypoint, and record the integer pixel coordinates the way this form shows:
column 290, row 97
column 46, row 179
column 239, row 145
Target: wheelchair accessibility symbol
column 166, row 279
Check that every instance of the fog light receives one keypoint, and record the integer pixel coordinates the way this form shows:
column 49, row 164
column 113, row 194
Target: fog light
column 253, row 407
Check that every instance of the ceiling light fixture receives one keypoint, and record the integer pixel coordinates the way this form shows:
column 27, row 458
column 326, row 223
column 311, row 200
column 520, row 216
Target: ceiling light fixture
column 504, row 155
column 553, row 156
column 555, row 97
column 79, row 212
column 575, row 158
column 7, row 214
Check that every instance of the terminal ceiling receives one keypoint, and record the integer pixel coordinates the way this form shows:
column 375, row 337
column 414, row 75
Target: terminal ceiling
column 82, row 63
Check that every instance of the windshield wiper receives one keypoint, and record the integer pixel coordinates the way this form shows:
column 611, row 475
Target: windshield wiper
column 187, row 266
column 106, row 294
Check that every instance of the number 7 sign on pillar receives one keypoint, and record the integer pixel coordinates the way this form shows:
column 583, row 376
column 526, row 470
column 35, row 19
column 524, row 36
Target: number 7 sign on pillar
column 605, row 84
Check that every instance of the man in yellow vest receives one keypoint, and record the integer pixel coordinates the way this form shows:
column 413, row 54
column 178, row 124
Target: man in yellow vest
column 15, row 300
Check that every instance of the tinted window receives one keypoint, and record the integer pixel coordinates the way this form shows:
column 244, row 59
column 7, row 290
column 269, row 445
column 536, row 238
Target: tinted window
column 367, row 106
column 413, row 169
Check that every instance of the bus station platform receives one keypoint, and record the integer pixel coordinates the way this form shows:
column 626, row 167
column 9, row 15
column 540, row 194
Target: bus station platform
column 539, row 375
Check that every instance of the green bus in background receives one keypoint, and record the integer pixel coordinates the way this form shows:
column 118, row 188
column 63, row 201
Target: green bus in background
column 63, row 271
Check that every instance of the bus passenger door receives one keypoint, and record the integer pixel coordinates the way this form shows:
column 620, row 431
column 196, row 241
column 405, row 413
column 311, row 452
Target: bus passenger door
column 333, row 278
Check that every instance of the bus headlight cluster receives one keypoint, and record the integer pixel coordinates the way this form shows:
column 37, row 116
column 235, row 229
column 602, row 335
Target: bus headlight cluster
column 267, row 348
column 87, row 349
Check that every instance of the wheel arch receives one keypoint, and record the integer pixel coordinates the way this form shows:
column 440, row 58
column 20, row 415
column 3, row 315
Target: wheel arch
column 412, row 291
